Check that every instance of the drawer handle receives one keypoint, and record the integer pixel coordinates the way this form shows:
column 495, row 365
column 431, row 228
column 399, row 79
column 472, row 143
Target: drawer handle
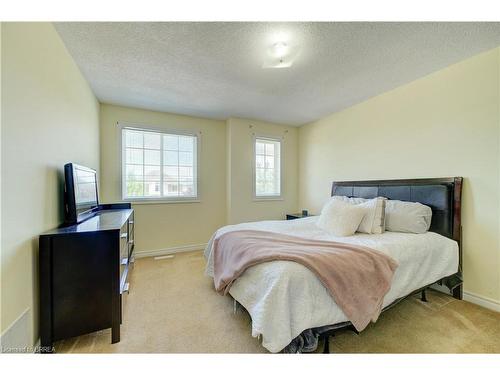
column 124, row 261
column 131, row 222
column 124, row 235
column 126, row 288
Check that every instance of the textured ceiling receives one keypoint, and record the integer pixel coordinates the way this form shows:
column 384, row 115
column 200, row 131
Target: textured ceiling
column 215, row 69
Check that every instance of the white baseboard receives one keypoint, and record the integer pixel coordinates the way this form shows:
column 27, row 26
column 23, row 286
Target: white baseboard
column 169, row 250
column 486, row 302
column 17, row 336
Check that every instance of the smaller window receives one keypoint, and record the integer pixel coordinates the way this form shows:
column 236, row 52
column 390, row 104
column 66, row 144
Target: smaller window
column 267, row 167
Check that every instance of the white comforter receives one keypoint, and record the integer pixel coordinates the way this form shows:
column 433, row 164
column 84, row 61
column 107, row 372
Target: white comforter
column 284, row 298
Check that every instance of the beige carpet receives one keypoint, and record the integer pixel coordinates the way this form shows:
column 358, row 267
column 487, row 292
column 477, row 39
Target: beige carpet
column 173, row 308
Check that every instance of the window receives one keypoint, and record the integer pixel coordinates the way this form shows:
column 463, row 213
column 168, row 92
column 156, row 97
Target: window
column 159, row 165
column 267, row 174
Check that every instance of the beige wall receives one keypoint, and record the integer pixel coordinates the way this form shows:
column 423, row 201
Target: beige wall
column 169, row 225
column 49, row 117
column 498, row 76
column 1, row 131
column 226, row 166
column 241, row 205
column 445, row 124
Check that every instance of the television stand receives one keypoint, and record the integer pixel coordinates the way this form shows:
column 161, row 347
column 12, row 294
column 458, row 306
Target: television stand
column 84, row 271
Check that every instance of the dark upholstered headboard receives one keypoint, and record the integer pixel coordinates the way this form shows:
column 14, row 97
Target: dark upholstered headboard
column 442, row 195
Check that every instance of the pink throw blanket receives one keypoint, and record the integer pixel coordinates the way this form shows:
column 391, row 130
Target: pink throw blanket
column 357, row 277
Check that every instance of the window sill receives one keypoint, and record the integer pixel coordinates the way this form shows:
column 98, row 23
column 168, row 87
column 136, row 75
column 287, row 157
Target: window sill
column 265, row 199
column 161, row 201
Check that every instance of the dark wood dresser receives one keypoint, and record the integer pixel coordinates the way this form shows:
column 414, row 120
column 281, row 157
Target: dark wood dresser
column 84, row 271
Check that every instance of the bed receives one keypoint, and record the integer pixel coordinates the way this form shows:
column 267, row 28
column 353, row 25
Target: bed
column 286, row 301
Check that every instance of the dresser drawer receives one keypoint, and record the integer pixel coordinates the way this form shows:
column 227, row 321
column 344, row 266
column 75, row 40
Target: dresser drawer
column 123, row 251
column 124, row 279
column 131, row 223
column 124, row 232
column 131, row 235
column 126, row 246
column 124, row 239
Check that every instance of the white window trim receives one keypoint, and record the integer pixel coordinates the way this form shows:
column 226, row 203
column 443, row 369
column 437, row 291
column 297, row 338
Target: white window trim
column 257, row 198
column 163, row 130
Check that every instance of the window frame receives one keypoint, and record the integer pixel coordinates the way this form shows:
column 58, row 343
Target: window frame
column 162, row 130
column 254, row 168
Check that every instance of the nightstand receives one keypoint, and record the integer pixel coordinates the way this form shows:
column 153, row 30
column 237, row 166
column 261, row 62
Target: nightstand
column 296, row 216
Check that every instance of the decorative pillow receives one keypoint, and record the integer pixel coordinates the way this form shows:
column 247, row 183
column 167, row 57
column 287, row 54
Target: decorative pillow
column 408, row 217
column 340, row 218
column 374, row 220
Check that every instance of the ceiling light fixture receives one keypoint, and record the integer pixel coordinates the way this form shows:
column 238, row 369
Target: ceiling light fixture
column 280, row 49
column 280, row 55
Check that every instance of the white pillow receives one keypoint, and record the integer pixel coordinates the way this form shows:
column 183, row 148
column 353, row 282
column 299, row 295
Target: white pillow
column 340, row 218
column 374, row 220
column 408, row 217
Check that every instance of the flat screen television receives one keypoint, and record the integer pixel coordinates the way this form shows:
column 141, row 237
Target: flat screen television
column 80, row 192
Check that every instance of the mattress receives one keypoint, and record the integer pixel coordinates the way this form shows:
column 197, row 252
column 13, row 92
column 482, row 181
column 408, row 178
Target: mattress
column 285, row 298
